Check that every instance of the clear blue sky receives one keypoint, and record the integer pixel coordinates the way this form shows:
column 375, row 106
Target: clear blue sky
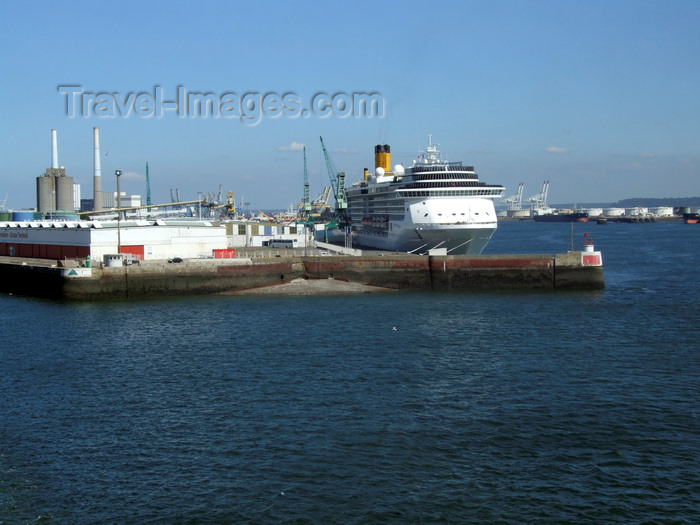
column 601, row 98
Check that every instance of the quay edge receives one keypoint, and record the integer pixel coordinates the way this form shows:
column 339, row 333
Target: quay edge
column 398, row 271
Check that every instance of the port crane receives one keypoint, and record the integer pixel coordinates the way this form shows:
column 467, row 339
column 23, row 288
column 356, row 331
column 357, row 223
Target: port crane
column 213, row 201
column 539, row 201
column 515, row 202
column 271, row 219
column 320, row 206
column 305, row 215
column 230, row 205
column 340, row 216
column 217, row 199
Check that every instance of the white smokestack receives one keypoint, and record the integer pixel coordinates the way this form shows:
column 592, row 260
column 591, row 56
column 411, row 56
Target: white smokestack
column 54, row 150
column 97, row 178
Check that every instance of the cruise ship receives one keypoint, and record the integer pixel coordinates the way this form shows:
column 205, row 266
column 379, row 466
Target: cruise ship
column 433, row 204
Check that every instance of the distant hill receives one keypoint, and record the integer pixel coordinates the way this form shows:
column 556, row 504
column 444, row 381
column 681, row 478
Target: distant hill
column 657, row 202
column 641, row 202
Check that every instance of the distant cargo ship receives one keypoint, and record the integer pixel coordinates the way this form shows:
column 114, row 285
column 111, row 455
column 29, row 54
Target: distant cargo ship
column 577, row 216
column 433, row 204
column 691, row 218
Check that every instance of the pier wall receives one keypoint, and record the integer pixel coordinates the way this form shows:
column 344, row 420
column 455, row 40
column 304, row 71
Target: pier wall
column 440, row 273
column 178, row 279
column 394, row 271
column 493, row 273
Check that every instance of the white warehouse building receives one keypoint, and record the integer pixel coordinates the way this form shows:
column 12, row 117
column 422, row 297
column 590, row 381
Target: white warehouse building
column 144, row 240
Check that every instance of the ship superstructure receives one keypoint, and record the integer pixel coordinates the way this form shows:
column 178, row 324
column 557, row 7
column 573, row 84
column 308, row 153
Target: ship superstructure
column 430, row 205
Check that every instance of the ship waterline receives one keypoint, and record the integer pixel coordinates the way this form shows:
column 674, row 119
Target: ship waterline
column 455, row 241
column 458, row 238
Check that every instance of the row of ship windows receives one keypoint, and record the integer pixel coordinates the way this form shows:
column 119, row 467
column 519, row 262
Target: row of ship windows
column 379, row 211
column 444, row 167
column 391, row 216
column 451, row 193
column 375, row 201
column 444, row 176
column 442, row 184
column 412, row 185
column 392, row 201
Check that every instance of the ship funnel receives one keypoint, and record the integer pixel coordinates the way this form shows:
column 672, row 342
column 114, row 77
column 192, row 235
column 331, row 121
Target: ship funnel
column 54, row 150
column 97, row 172
column 382, row 157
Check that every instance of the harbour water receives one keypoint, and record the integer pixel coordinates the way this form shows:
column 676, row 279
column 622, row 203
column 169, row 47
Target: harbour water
column 376, row 408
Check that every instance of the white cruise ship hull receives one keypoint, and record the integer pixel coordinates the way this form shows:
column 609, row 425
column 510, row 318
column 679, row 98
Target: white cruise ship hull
column 457, row 241
column 462, row 227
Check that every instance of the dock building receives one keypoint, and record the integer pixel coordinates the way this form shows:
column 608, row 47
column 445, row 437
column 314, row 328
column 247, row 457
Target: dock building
column 143, row 240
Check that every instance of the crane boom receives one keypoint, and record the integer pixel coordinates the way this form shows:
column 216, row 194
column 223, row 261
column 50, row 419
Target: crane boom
column 340, row 217
column 540, row 200
column 306, row 211
column 515, row 202
column 337, row 180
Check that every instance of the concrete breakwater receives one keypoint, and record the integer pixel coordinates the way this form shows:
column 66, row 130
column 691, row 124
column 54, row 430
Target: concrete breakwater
column 206, row 276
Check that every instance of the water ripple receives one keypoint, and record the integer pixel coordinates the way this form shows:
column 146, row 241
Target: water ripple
column 506, row 407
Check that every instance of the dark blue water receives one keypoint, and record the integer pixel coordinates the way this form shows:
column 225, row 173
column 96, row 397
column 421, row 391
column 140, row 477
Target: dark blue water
column 383, row 408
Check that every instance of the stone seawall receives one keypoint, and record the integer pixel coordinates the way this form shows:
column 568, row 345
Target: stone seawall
column 485, row 272
column 395, row 271
column 186, row 278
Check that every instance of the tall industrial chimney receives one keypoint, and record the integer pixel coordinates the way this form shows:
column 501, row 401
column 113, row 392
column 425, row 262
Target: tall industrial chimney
column 54, row 150
column 97, row 179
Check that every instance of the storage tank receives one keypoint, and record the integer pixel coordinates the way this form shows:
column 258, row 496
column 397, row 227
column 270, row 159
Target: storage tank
column 595, row 212
column 519, row 214
column 636, row 211
column 614, row 212
column 662, row 211
column 46, row 197
column 22, row 216
column 64, row 193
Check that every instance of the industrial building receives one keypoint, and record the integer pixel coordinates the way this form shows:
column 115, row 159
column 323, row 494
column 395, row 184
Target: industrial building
column 55, row 232
column 54, row 190
column 111, row 201
column 249, row 233
column 143, row 240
